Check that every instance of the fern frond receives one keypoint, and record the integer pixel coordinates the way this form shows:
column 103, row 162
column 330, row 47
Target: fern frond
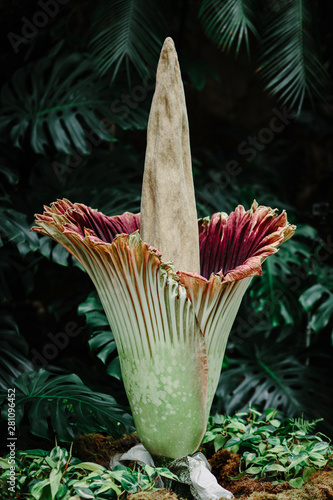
column 290, row 64
column 227, row 21
column 124, row 32
column 304, row 425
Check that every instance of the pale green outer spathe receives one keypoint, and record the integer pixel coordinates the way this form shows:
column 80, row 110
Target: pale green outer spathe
column 216, row 323
column 160, row 346
column 170, row 328
column 170, row 344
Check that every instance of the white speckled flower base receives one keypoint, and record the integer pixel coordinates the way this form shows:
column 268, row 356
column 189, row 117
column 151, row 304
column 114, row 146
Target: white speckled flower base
column 167, row 401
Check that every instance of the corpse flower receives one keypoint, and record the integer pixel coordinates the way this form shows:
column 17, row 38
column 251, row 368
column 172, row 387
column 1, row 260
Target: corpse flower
column 170, row 286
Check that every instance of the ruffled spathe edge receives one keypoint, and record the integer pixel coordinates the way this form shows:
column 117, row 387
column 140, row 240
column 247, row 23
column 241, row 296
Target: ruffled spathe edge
column 232, row 247
column 85, row 222
column 124, row 259
column 237, row 244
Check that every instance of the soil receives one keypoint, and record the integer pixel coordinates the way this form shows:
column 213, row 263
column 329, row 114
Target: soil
column 225, row 464
column 99, row 449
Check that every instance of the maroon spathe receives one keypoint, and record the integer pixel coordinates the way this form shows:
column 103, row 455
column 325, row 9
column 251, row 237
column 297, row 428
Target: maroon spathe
column 231, row 246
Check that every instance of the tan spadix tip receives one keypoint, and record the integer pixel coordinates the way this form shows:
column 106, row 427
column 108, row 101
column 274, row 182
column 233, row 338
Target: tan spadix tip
column 168, row 210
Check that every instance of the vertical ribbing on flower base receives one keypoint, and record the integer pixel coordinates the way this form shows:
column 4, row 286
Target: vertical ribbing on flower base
column 163, row 359
column 160, row 345
column 232, row 248
column 168, row 210
column 216, row 305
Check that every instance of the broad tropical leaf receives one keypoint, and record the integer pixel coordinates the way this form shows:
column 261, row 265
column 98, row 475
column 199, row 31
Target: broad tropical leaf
column 63, row 106
column 102, row 339
column 291, row 65
column 228, row 21
column 268, row 376
column 127, row 32
column 323, row 314
column 275, row 295
column 64, row 402
column 58, row 100
column 16, row 229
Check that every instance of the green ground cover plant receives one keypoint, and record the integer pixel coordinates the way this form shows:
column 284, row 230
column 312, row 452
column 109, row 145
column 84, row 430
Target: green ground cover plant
column 56, row 475
column 270, row 447
column 276, row 449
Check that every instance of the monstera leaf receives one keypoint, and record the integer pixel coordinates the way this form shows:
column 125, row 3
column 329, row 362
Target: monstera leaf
column 16, row 229
column 65, row 403
column 275, row 294
column 322, row 315
column 63, row 106
column 267, row 375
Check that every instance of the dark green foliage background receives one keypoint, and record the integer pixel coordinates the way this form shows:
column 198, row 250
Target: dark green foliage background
column 93, row 63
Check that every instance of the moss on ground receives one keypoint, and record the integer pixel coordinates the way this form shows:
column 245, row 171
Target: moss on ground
column 99, row 449
column 154, row 495
column 319, row 487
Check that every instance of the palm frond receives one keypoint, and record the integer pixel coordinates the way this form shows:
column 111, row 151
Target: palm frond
column 228, row 21
column 291, row 65
column 124, row 32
